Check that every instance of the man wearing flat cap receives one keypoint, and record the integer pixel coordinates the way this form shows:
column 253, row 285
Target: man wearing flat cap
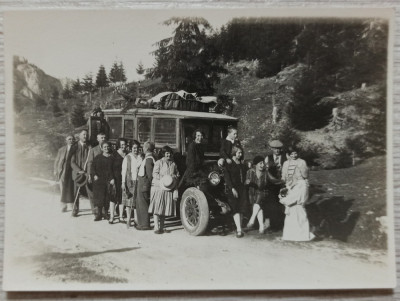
column 274, row 162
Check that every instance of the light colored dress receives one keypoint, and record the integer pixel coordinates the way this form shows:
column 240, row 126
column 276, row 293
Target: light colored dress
column 129, row 178
column 161, row 201
column 295, row 175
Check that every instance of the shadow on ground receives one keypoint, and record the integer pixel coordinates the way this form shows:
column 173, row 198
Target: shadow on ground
column 70, row 268
column 331, row 216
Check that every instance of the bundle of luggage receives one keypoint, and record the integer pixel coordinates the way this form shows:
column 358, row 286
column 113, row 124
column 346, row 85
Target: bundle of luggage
column 184, row 101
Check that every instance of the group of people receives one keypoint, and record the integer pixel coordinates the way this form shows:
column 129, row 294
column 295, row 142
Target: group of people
column 273, row 188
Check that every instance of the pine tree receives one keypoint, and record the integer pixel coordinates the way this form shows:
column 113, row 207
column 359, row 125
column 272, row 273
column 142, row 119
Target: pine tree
column 88, row 83
column 101, row 78
column 121, row 73
column 78, row 115
column 55, row 108
column 113, row 76
column 140, row 68
column 77, row 86
column 188, row 60
column 67, row 92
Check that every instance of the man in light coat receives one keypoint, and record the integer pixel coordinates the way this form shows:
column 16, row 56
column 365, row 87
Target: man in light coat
column 63, row 174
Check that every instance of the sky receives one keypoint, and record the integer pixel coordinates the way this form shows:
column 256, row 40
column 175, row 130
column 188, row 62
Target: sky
column 72, row 44
column 76, row 42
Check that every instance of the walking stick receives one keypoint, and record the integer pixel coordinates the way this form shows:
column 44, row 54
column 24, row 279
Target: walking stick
column 79, row 188
column 76, row 198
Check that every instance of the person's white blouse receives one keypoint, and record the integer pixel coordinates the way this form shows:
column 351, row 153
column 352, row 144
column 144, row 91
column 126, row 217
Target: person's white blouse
column 135, row 164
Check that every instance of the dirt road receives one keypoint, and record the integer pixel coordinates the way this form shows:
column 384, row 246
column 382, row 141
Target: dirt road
column 50, row 250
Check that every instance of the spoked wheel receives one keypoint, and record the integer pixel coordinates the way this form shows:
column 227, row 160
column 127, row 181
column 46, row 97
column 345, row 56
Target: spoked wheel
column 194, row 211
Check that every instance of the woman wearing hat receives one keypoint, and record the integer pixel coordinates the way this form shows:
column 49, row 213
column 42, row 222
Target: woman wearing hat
column 163, row 193
column 235, row 176
column 103, row 179
column 258, row 180
column 295, row 175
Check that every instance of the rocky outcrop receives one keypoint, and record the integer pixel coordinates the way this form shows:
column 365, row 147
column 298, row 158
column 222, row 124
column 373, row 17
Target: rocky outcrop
column 32, row 83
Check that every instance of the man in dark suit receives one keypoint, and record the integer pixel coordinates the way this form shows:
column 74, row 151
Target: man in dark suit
column 63, row 174
column 225, row 152
column 274, row 162
column 93, row 153
column 79, row 160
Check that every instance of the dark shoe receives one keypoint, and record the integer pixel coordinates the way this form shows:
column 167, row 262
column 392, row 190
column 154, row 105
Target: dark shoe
column 111, row 222
column 141, row 228
column 97, row 218
column 158, row 231
column 64, row 209
column 75, row 213
column 239, row 234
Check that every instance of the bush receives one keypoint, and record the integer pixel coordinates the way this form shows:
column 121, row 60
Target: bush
column 285, row 133
column 77, row 117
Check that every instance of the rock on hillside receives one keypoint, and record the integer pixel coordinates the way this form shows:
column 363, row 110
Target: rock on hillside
column 32, row 83
column 255, row 99
column 357, row 114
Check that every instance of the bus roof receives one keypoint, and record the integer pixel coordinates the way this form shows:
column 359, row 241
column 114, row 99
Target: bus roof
column 171, row 113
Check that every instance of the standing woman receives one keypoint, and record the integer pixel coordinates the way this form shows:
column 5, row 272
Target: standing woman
column 235, row 176
column 145, row 177
column 130, row 168
column 163, row 193
column 103, row 179
column 295, row 175
column 119, row 156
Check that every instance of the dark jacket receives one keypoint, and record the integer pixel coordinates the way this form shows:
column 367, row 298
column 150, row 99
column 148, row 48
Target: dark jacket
column 275, row 170
column 225, row 151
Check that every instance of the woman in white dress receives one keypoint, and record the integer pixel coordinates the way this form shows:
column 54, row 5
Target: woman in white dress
column 295, row 175
column 130, row 167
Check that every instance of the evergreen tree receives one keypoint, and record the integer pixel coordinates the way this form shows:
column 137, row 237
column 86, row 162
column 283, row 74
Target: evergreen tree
column 88, row 83
column 77, row 117
column 187, row 60
column 67, row 92
column 113, row 76
column 121, row 73
column 77, row 86
column 55, row 108
column 140, row 68
column 55, row 94
column 101, row 78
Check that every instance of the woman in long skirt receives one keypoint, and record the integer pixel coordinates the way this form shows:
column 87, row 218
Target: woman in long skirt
column 295, row 175
column 145, row 177
column 103, row 179
column 163, row 193
column 130, row 168
column 235, row 177
column 119, row 156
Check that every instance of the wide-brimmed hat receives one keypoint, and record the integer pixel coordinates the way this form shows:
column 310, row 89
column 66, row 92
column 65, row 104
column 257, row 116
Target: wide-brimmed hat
column 81, row 179
column 167, row 183
column 275, row 144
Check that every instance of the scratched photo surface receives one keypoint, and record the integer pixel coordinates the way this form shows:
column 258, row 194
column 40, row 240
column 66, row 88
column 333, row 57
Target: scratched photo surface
column 213, row 149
